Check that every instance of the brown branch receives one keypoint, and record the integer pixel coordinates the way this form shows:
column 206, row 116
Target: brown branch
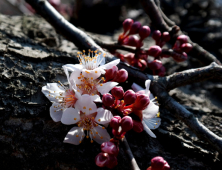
column 193, row 76
column 158, row 84
column 129, row 153
column 157, row 20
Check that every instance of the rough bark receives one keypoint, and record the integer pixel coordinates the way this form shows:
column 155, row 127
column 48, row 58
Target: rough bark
column 31, row 55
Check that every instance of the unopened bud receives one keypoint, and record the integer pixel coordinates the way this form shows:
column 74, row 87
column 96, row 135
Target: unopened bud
column 182, row 39
column 108, row 99
column 155, row 65
column 166, row 166
column 121, row 76
column 110, row 148
column 141, row 64
column 126, row 123
column 161, row 71
column 127, row 24
column 129, row 97
column 133, row 41
column 157, row 163
column 179, row 57
column 115, row 122
column 156, row 35
column 112, row 162
column 186, row 47
column 135, row 28
column 165, row 36
column 144, row 32
column 154, row 51
column 137, row 126
column 141, row 102
column 117, row 92
column 101, row 159
column 110, row 73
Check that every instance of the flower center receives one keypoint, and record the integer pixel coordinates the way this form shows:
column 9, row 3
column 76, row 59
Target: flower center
column 70, row 98
column 89, row 62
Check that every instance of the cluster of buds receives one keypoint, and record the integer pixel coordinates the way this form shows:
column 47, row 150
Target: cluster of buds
column 139, row 59
column 158, row 163
column 131, row 103
column 113, row 74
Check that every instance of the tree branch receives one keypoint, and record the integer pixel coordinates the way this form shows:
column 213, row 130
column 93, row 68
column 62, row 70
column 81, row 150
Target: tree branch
column 158, row 84
column 157, row 20
column 193, row 76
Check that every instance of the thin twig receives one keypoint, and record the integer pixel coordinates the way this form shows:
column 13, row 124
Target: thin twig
column 129, row 154
column 157, row 20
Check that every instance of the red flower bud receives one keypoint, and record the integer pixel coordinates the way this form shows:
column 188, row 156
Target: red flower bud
column 127, row 24
column 101, row 159
column 155, row 65
column 154, row 51
column 126, row 123
column 157, row 163
column 166, row 36
column 110, row 148
column 133, row 41
column 108, row 99
column 182, row 39
column 129, row 97
column 179, row 57
column 156, row 35
column 112, row 162
column 141, row 102
column 161, row 71
column 141, row 64
column 137, row 126
column 166, row 166
column 135, row 28
column 117, row 92
column 121, row 76
column 110, row 74
column 186, row 47
column 144, row 32
column 115, row 122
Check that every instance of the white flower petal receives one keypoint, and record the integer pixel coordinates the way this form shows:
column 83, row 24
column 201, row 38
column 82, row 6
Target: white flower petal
column 96, row 98
column 151, row 111
column 56, row 111
column 147, row 84
column 106, row 87
column 75, row 77
column 75, row 136
column 92, row 74
column 152, row 123
column 51, row 90
column 136, row 87
column 73, row 67
column 102, row 135
column 70, row 116
column 110, row 64
column 86, row 105
column 148, row 130
column 100, row 60
column 103, row 116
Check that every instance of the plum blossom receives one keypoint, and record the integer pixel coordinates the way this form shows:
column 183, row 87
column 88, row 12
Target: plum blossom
column 151, row 118
column 86, row 120
column 87, row 74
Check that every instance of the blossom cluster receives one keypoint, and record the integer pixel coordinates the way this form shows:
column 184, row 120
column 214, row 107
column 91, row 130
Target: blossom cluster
column 93, row 102
column 134, row 34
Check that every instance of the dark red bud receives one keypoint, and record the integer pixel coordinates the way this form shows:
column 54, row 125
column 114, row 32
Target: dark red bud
column 141, row 102
column 108, row 99
column 141, row 64
column 121, row 76
column 127, row 24
column 165, row 36
column 126, row 123
column 166, row 166
column 117, row 92
column 112, row 162
column 110, row 148
column 133, row 41
column 129, row 97
column 186, row 47
column 154, row 51
column 157, row 163
column 182, row 39
column 111, row 73
column 179, row 57
column 156, row 35
column 161, row 71
column 101, row 159
column 155, row 65
column 115, row 122
column 135, row 28
column 144, row 32
column 137, row 126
